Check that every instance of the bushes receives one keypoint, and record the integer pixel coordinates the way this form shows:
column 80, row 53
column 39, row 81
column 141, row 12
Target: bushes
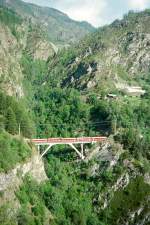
column 137, row 144
column 12, row 151
column 126, row 201
column 32, row 209
column 100, row 116
column 65, row 195
column 59, row 112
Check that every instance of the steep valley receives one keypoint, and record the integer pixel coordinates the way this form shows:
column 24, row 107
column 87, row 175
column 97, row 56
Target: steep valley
column 99, row 85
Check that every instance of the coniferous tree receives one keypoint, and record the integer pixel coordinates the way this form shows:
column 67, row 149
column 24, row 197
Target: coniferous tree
column 2, row 122
column 2, row 103
column 11, row 124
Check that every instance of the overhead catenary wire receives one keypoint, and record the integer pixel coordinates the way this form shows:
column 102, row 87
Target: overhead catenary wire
column 70, row 124
column 87, row 123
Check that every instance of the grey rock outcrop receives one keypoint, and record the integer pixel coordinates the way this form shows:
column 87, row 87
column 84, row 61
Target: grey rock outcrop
column 10, row 182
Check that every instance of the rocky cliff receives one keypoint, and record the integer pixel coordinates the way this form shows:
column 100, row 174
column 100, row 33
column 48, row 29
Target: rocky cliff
column 120, row 180
column 36, row 31
column 17, row 37
column 12, row 180
column 113, row 57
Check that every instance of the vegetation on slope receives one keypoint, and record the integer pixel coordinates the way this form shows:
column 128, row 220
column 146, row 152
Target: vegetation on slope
column 72, row 194
column 63, row 196
column 114, row 54
column 13, row 150
column 10, row 19
column 59, row 27
column 126, row 201
column 71, row 197
column 93, row 114
column 14, row 116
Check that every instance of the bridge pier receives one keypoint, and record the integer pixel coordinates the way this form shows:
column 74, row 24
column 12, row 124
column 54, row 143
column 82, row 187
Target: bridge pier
column 67, row 141
column 82, row 149
column 46, row 150
column 80, row 154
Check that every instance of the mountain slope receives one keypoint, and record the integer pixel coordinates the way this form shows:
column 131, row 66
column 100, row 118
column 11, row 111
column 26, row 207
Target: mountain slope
column 112, row 57
column 33, row 31
column 101, row 68
column 78, row 92
column 59, row 27
column 16, row 37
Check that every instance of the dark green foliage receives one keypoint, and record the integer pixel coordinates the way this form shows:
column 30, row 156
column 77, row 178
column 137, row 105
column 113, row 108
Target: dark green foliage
column 11, row 124
column 59, row 112
column 65, row 195
column 67, row 57
column 100, row 116
column 133, row 141
column 12, row 151
column 2, row 123
column 14, row 114
column 69, row 198
column 66, row 201
column 32, row 206
column 128, row 200
column 35, row 71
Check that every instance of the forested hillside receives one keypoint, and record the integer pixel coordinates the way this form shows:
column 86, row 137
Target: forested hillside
column 27, row 29
column 60, row 29
column 99, row 86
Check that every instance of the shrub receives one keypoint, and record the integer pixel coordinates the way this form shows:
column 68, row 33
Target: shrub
column 12, row 151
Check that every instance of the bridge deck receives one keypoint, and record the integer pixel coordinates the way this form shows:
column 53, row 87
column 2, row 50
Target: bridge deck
column 80, row 140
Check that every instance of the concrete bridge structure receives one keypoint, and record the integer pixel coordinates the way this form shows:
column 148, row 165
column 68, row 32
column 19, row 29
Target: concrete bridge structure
column 49, row 142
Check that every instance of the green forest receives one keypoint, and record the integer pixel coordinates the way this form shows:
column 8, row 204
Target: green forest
column 58, row 112
column 53, row 107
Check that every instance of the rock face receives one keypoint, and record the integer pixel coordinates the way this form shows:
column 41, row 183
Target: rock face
column 105, row 159
column 10, row 69
column 10, row 182
column 31, row 31
column 12, row 49
column 43, row 50
column 121, row 53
